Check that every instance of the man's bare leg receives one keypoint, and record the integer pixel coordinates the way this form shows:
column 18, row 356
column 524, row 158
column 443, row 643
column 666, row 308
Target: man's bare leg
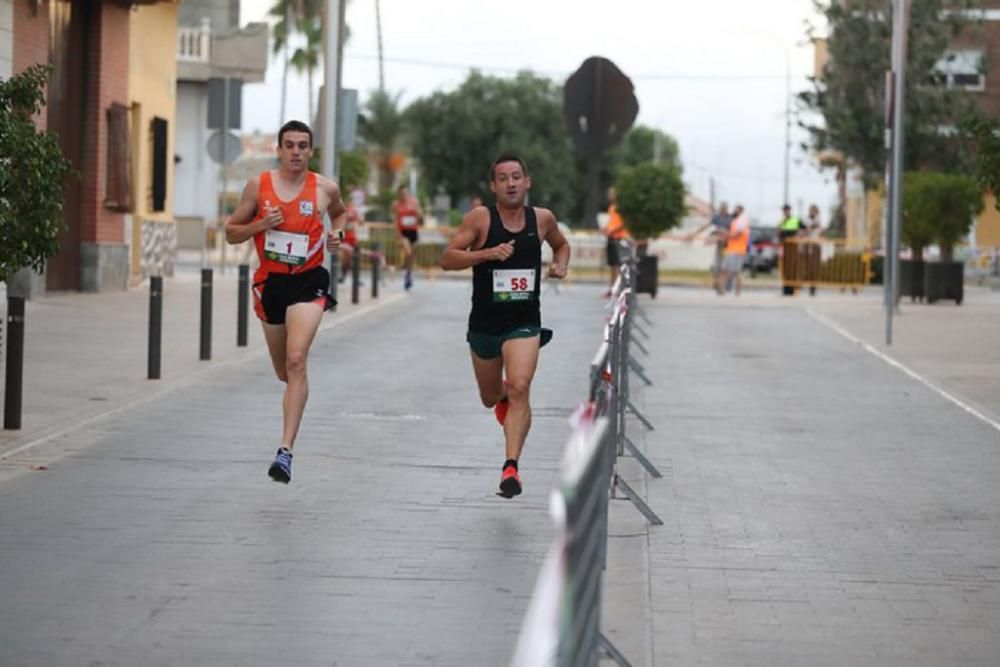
column 489, row 379
column 407, row 262
column 274, row 336
column 288, row 344
column 301, row 323
column 520, row 358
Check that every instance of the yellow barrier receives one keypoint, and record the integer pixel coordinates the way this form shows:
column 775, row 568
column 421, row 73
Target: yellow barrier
column 809, row 262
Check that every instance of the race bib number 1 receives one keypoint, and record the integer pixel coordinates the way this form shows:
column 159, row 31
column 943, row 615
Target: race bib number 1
column 286, row 248
column 513, row 285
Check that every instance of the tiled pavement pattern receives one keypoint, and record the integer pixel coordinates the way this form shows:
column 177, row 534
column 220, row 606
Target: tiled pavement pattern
column 157, row 539
column 820, row 507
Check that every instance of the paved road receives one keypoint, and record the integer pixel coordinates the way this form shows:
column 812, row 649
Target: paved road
column 820, row 505
column 157, row 538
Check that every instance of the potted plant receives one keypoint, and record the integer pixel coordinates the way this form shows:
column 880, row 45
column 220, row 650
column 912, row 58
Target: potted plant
column 650, row 201
column 33, row 173
column 939, row 208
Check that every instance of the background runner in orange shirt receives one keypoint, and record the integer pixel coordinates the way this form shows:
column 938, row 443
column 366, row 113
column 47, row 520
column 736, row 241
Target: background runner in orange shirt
column 409, row 219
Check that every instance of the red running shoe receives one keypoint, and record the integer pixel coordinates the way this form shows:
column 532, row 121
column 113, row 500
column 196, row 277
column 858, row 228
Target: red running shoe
column 510, row 483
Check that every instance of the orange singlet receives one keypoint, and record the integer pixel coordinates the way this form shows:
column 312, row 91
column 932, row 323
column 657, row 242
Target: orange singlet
column 296, row 245
column 407, row 216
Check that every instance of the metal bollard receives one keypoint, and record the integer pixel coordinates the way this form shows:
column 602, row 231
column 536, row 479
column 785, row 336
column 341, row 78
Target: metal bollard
column 334, row 273
column 15, row 363
column 355, row 274
column 155, row 327
column 376, row 258
column 206, row 315
column 242, row 305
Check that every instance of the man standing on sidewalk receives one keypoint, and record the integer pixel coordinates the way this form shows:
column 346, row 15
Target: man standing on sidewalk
column 789, row 228
column 503, row 245
column 737, row 241
column 282, row 210
column 616, row 233
column 719, row 223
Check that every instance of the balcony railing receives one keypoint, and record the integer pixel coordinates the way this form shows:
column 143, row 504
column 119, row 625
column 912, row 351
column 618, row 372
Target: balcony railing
column 194, row 45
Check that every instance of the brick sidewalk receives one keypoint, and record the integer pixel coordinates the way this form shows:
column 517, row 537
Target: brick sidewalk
column 821, row 506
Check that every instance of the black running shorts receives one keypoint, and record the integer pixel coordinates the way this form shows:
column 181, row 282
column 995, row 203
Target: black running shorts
column 278, row 291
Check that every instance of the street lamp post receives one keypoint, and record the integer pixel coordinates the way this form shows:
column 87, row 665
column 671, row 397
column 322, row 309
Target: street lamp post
column 900, row 19
column 788, row 121
column 788, row 114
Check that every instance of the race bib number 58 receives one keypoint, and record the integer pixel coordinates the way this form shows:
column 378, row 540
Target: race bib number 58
column 513, row 285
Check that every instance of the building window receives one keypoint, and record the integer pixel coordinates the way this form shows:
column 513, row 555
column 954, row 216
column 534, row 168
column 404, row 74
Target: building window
column 118, row 189
column 962, row 69
column 158, row 133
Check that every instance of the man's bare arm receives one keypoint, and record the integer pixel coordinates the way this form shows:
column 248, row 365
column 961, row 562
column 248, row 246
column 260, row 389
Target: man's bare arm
column 458, row 256
column 557, row 241
column 335, row 209
column 239, row 225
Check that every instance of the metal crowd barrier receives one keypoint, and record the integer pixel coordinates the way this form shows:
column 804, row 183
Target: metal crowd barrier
column 562, row 626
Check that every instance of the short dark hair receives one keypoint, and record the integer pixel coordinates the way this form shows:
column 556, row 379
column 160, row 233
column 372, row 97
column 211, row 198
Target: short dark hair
column 295, row 126
column 506, row 157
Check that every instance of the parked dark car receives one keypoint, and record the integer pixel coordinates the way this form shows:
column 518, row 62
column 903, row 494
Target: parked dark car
column 763, row 252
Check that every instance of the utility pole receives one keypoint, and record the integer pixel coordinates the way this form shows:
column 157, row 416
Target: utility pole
column 788, row 122
column 332, row 38
column 378, row 30
column 900, row 21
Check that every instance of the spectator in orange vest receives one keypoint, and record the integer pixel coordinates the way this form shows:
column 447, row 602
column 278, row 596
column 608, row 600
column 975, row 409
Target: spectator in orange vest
column 737, row 241
column 616, row 233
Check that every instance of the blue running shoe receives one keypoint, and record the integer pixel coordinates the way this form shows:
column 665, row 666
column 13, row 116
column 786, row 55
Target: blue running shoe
column 408, row 280
column 281, row 469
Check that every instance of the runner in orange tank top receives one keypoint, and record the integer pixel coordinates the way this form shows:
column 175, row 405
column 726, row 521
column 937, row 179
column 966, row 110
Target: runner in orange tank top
column 409, row 219
column 282, row 211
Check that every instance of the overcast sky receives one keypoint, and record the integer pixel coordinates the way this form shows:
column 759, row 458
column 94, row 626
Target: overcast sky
column 711, row 73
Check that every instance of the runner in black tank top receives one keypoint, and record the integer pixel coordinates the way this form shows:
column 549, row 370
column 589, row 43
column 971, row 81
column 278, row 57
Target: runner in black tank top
column 505, row 294
column 502, row 245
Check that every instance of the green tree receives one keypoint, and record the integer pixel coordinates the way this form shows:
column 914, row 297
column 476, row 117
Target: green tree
column 650, row 199
column 985, row 135
column 380, row 126
column 647, row 144
column 938, row 208
column 354, row 171
column 640, row 145
column 457, row 135
column 287, row 13
column 305, row 60
column 848, row 99
column 33, row 174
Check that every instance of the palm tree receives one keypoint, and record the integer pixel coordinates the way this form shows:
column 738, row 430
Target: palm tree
column 293, row 16
column 306, row 58
column 381, row 127
column 305, row 17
